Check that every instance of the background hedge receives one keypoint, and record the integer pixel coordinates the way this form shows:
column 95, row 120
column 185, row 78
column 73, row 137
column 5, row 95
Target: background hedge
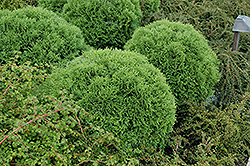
column 40, row 35
column 127, row 95
column 53, row 5
column 104, row 23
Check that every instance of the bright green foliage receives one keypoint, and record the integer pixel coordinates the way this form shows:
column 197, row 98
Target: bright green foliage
column 127, row 96
column 53, row 5
column 104, row 23
column 182, row 54
column 38, row 129
column 40, row 35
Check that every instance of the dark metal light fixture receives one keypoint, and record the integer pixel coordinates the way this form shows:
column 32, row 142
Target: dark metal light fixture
column 242, row 24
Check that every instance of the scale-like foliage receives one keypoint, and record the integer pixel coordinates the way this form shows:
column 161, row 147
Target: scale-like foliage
column 182, row 54
column 126, row 95
column 104, row 23
column 39, row 129
column 53, row 5
column 40, row 35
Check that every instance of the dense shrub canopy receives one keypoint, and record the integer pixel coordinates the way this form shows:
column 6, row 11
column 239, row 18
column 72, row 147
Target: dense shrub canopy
column 16, row 4
column 39, row 129
column 127, row 96
column 150, row 5
column 40, row 34
column 182, row 54
column 149, row 10
column 53, row 5
column 104, row 23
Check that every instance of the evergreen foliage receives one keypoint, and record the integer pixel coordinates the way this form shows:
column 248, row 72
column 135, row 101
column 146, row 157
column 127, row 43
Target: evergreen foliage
column 150, row 5
column 39, row 129
column 53, row 5
column 126, row 95
column 235, row 78
column 182, row 54
column 150, row 9
column 16, row 4
column 40, row 35
column 215, row 20
column 213, row 136
column 104, row 23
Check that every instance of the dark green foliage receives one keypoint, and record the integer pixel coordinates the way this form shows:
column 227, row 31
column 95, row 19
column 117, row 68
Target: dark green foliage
column 126, row 95
column 40, row 35
column 53, row 5
column 235, row 80
column 182, row 54
column 214, row 136
column 38, row 129
column 150, row 5
column 16, row 4
column 150, row 9
column 214, row 19
column 104, row 23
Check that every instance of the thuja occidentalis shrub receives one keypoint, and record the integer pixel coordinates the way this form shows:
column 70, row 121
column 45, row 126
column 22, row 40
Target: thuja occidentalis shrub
column 125, row 94
column 42, row 37
column 39, row 129
column 104, row 23
column 182, row 54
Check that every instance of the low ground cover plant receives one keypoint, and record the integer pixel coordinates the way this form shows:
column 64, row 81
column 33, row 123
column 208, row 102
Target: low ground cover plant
column 39, row 129
column 213, row 135
column 125, row 94
column 41, row 36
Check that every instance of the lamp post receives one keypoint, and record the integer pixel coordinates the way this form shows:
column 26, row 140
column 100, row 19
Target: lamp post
column 242, row 24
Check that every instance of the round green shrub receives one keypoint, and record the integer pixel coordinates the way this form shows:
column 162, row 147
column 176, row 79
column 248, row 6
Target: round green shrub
column 53, row 5
column 104, row 23
column 40, row 35
column 182, row 54
column 40, row 129
column 126, row 95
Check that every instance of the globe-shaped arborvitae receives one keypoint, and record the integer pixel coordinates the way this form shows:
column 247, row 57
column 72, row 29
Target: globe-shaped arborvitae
column 126, row 95
column 104, row 23
column 40, row 35
column 182, row 54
